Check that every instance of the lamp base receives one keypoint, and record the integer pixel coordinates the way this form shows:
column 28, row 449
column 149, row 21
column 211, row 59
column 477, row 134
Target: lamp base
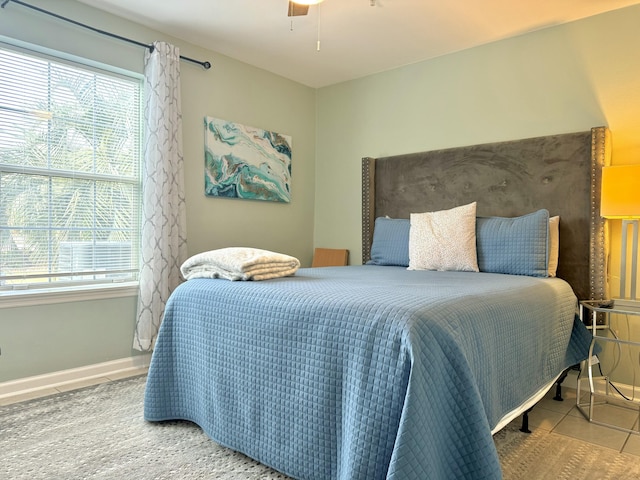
column 632, row 225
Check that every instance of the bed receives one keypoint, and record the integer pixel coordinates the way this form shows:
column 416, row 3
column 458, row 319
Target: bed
column 378, row 371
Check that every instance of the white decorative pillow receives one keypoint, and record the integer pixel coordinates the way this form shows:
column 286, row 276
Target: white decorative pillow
column 554, row 244
column 444, row 240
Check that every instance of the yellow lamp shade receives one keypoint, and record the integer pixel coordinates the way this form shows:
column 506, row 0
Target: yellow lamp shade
column 620, row 192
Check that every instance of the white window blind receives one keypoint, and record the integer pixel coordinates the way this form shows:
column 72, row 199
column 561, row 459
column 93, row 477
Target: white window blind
column 69, row 173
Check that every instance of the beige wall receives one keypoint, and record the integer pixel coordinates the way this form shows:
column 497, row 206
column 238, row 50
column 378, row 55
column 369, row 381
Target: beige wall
column 42, row 339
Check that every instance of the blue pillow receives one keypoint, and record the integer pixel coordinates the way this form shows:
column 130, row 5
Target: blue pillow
column 517, row 246
column 390, row 242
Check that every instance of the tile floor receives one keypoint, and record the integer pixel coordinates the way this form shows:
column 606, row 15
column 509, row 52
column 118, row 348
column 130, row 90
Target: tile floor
column 550, row 415
column 564, row 418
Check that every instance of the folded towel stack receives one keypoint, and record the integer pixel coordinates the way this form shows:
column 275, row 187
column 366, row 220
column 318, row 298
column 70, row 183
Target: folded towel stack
column 239, row 263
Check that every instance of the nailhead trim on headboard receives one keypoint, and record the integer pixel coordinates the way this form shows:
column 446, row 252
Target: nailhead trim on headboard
column 600, row 157
column 368, row 206
column 588, row 279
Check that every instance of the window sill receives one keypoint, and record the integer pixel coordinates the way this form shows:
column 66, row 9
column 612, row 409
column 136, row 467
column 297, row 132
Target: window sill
column 27, row 298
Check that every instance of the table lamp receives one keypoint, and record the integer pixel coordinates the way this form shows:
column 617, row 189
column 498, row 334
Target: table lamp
column 620, row 199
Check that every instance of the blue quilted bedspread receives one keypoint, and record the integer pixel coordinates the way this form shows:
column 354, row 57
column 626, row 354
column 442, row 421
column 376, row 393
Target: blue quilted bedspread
column 362, row 372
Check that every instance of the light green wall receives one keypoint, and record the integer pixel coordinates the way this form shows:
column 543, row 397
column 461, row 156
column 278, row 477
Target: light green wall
column 562, row 79
column 47, row 338
column 42, row 339
column 567, row 78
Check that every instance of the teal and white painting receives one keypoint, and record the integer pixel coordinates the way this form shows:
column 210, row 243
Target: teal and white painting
column 246, row 162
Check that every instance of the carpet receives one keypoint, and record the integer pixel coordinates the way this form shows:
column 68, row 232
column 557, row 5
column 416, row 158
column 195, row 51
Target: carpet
column 99, row 433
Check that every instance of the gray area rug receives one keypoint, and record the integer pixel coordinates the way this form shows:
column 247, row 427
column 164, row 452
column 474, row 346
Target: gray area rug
column 99, row 433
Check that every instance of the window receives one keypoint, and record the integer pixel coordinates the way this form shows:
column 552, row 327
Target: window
column 69, row 173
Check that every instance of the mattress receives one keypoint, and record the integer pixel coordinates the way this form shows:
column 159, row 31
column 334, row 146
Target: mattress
column 362, row 372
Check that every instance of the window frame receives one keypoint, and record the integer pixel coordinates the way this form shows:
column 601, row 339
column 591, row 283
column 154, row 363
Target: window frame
column 90, row 290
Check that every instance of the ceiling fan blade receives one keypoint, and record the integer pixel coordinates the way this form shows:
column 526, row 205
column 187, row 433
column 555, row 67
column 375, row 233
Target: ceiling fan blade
column 295, row 9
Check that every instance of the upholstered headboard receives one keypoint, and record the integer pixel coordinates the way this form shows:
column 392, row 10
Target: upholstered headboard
column 561, row 173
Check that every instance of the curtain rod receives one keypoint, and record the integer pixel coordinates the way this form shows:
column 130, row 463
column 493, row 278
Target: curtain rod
column 206, row 65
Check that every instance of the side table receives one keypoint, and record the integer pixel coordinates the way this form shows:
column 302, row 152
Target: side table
column 596, row 315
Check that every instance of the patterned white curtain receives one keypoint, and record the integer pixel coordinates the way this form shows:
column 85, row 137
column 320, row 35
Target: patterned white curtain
column 164, row 244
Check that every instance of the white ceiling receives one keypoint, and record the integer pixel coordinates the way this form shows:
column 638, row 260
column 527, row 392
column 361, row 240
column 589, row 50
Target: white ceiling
column 356, row 39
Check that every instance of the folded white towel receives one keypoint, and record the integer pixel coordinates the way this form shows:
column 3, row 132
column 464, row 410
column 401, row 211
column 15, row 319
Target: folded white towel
column 239, row 263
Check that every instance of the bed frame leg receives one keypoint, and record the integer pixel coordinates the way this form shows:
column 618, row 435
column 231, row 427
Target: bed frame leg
column 558, row 397
column 525, row 421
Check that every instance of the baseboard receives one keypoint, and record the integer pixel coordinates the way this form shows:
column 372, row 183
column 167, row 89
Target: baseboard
column 628, row 391
column 74, row 375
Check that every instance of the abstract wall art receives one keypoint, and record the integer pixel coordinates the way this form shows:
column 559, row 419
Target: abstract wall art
column 246, row 162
